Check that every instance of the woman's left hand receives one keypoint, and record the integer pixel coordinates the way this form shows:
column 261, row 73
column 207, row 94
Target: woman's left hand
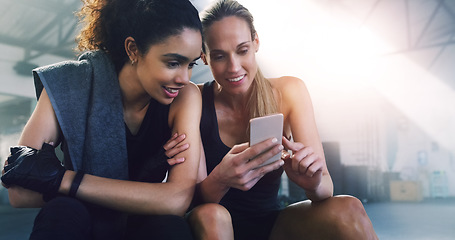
column 171, row 148
column 304, row 167
column 38, row 170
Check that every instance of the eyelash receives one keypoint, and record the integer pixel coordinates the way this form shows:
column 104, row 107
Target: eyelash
column 173, row 65
column 192, row 65
column 243, row 51
column 221, row 57
column 218, row 58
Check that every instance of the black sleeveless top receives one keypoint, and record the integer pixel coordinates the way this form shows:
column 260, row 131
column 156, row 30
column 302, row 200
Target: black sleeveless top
column 146, row 159
column 261, row 197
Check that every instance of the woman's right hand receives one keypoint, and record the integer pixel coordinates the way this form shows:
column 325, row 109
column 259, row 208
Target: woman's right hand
column 240, row 167
column 171, row 148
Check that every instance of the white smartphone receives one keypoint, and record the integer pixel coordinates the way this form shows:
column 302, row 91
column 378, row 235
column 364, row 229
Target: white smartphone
column 262, row 128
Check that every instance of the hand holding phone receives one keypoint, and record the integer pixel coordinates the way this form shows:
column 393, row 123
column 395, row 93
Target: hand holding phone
column 263, row 128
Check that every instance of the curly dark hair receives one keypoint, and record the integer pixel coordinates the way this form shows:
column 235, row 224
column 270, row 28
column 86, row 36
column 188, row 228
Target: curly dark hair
column 107, row 23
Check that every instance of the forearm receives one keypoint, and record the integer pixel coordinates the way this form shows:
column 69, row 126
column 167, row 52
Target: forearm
column 323, row 191
column 136, row 197
column 210, row 190
column 23, row 198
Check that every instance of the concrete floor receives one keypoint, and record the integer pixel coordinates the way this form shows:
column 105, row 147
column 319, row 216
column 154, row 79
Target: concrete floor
column 427, row 220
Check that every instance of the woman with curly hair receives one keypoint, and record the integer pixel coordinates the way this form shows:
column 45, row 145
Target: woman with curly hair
column 124, row 114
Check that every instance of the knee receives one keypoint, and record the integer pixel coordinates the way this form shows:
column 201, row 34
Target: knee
column 211, row 221
column 351, row 205
column 210, row 214
column 350, row 219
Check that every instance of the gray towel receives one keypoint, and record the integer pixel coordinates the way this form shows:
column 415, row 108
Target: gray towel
column 87, row 101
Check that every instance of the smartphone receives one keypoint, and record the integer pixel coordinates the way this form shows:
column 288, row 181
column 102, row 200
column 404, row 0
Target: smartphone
column 262, row 128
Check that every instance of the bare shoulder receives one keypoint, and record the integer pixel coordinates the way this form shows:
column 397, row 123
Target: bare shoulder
column 289, row 86
column 189, row 98
column 191, row 88
column 187, row 105
column 287, row 82
column 189, row 92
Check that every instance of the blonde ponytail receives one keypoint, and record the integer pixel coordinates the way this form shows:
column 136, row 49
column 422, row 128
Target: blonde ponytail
column 262, row 101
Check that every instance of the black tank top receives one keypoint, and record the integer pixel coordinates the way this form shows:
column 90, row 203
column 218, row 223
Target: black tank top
column 146, row 159
column 263, row 196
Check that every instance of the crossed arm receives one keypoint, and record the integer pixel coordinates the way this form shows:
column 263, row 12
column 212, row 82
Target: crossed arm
column 171, row 197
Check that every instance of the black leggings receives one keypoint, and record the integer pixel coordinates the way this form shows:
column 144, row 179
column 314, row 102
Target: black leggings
column 68, row 218
column 251, row 225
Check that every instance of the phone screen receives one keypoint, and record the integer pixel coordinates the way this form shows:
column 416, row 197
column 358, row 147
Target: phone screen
column 266, row 127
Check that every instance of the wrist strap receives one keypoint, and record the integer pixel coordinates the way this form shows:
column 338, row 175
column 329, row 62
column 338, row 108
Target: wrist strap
column 75, row 185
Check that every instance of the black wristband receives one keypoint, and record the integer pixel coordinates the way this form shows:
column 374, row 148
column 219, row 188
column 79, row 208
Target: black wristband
column 75, row 185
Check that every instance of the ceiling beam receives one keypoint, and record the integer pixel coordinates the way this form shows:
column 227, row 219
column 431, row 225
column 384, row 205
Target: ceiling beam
column 63, row 50
column 428, row 24
column 444, row 44
column 50, row 6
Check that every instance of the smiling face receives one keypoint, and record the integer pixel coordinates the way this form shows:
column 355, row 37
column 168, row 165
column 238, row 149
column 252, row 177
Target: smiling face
column 231, row 54
column 166, row 67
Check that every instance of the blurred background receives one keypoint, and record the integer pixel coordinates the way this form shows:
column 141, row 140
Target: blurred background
column 381, row 74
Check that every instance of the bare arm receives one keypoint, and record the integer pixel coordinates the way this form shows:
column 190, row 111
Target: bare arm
column 171, row 197
column 307, row 166
column 41, row 127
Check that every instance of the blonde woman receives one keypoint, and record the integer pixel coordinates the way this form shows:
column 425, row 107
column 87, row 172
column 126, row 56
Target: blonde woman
column 230, row 178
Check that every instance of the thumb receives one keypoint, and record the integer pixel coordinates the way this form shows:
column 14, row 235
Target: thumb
column 239, row 148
